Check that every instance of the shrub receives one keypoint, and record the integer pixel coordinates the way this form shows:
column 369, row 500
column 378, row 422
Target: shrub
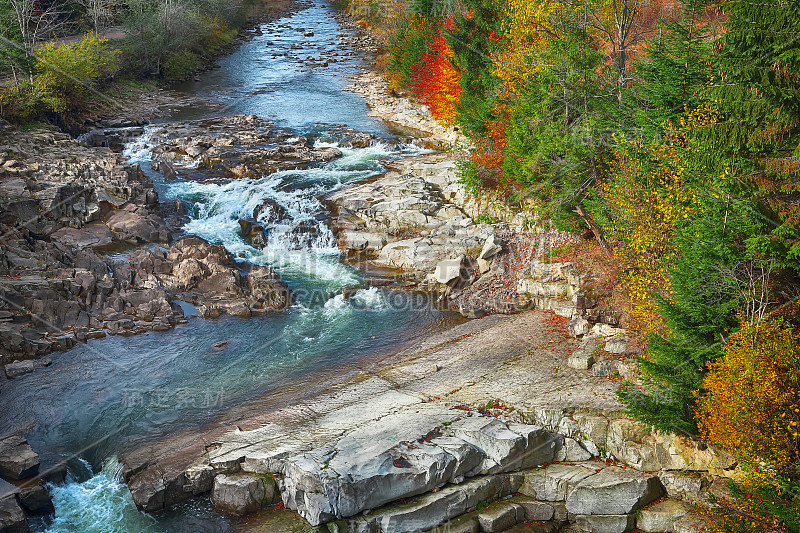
column 752, row 404
column 181, row 65
column 67, row 73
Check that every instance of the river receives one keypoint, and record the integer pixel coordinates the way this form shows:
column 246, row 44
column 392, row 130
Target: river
column 99, row 399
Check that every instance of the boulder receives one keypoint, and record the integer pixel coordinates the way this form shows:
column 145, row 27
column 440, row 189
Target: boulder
column 578, row 326
column 661, row 517
column 449, row 270
column 137, row 225
column 506, row 447
column 17, row 458
column 616, row 345
column 534, row 510
column 491, row 247
column 19, row 368
column 613, row 491
column 12, row 518
column 253, row 232
column 241, row 494
column 35, row 499
column 580, row 361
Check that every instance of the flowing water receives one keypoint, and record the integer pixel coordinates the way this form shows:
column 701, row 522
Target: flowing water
column 99, row 399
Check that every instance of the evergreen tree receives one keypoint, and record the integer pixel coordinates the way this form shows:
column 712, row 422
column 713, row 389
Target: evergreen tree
column 701, row 313
column 475, row 37
column 673, row 74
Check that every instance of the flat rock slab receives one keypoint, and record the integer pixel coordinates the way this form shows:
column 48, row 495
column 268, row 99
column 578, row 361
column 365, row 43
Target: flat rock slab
column 613, row 491
column 555, row 482
column 392, row 432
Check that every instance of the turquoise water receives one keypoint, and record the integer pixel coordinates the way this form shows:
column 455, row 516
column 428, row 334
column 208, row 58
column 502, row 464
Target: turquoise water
column 100, row 399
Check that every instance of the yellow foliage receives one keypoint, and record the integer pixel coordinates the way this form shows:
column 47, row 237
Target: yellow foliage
column 752, row 405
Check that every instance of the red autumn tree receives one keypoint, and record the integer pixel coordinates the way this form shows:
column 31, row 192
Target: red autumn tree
column 436, row 81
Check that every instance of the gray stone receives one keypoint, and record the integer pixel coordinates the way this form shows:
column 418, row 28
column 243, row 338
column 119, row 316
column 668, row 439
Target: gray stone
column 661, row 517
column 241, row 494
column 17, row 458
column 613, row 491
column 691, row 523
column 575, row 452
column 436, row 508
column 19, row 368
column 554, row 482
column 12, row 519
column 490, row 248
column 506, row 448
column 606, row 523
column 609, row 367
column 534, row 510
column 580, row 361
column 689, row 486
column 449, row 270
column 616, row 345
column 578, row 326
column 500, row 517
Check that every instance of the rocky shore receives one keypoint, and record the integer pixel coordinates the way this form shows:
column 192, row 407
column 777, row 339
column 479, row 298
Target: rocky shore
column 62, row 207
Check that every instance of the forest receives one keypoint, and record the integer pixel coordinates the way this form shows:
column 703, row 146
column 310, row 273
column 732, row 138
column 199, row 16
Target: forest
column 668, row 133
column 55, row 60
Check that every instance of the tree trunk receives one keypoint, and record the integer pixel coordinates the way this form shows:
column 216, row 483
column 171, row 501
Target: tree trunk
column 596, row 230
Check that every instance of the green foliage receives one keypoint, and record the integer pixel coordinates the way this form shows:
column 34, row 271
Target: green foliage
column 555, row 130
column 674, row 73
column 407, row 46
column 473, row 40
column 20, row 102
column 181, row 65
column 68, row 73
column 700, row 315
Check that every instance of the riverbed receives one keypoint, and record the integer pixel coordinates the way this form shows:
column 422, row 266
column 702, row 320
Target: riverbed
column 100, row 399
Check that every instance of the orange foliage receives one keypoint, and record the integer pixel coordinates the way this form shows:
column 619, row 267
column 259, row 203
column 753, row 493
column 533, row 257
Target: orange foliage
column 489, row 152
column 752, row 408
column 436, row 81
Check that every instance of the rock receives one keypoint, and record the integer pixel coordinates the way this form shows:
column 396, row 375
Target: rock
column 12, row 518
column 436, row 508
column 137, row 226
column 35, row 499
column 574, row 452
column 534, row 510
column 506, row 448
column 17, row 458
column 689, row 486
column 269, row 211
column 608, row 367
column 253, row 232
column 691, row 523
column 308, row 33
column 241, row 494
column 578, row 326
column 616, row 345
column 491, row 248
column 662, row 516
column 554, row 482
column 19, row 368
column 605, row 523
column 580, row 361
column 500, row 517
column 91, row 235
column 604, row 330
column 450, row 270
column 613, row 490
